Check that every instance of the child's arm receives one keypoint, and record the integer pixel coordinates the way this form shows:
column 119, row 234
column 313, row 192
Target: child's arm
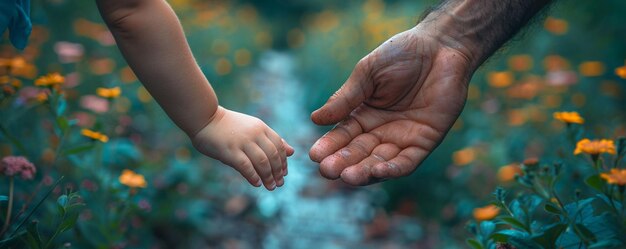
column 151, row 39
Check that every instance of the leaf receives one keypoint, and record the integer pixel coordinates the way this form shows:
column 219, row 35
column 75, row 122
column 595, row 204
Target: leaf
column 524, row 242
column 586, row 233
column 595, row 182
column 609, row 202
column 547, row 238
column 500, row 194
column 506, row 235
column 78, row 149
column 63, row 124
column 32, row 235
column 610, row 243
column 516, row 208
column 551, row 208
column 68, row 223
column 514, row 222
column 62, row 200
column 487, row 228
column 61, row 106
column 36, row 206
column 474, row 244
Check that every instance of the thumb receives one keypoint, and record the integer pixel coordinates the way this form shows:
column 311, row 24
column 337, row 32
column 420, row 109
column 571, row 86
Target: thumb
column 352, row 94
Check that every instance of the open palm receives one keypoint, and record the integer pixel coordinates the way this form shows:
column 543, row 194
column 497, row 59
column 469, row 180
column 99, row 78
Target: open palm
column 393, row 111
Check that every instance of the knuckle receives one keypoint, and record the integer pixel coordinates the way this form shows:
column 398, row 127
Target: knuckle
column 264, row 161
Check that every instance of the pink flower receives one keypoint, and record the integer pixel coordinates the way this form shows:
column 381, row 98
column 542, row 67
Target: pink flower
column 94, row 103
column 69, row 52
column 13, row 165
column 561, row 78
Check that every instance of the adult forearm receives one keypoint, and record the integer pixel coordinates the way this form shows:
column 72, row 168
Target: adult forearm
column 478, row 28
column 153, row 43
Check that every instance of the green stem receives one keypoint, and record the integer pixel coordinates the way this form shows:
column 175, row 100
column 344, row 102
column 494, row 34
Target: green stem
column 572, row 222
column 9, row 207
column 56, row 233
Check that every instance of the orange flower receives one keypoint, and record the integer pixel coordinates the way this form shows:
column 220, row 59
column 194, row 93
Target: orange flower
column 508, row 172
column 42, row 97
column 621, row 72
column 556, row 26
column 464, row 156
column 591, row 68
column 531, row 161
column 132, row 179
column 110, row 93
column 595, row 147
column 520, row 62
column 486, row 213
column 52, row 79
column 500, row 79
column 617, row 176
column 94, row 135
column 569, row 117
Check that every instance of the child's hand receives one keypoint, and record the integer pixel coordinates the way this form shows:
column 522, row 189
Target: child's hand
column 246, row 144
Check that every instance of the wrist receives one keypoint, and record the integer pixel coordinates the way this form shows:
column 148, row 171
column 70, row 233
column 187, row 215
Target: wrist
column 218, row 114
column 454, row 32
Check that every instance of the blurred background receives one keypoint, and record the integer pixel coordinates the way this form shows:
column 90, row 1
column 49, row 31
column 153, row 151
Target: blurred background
column 280, row 60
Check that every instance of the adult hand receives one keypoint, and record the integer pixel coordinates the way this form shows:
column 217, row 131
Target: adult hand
column 394, row 109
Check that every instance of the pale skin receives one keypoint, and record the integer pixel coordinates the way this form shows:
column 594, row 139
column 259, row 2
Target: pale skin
column 152, row 41
column 402, row 98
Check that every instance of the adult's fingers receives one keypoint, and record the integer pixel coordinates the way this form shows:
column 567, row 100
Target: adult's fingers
column 276, row 158
column 403, row 164
column 358, row 149
column 335, row 139
column 261, row 164
column 243, row 165
column 361, row 173
column 353, row 92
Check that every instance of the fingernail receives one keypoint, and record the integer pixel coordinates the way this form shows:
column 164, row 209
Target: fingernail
column 259, row 183
column 281, row 182
column 273, row 186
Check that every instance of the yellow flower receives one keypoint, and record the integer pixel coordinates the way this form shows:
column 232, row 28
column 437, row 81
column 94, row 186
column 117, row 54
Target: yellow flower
column 109, row 92
column 617, row 176
column 17, row 62
column 132, row 179
column 94, row 135
column 486, row 213
column 569, row 117
column 51, row 79
column 595, row 147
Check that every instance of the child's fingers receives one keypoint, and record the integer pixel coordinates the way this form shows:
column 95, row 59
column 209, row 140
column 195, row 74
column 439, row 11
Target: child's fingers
column 287, row 147
column 278, row 143
column 243, row 165
column 272, row 152
column 261, row 163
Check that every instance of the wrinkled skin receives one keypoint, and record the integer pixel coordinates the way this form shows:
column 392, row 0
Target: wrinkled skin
column 393, row 111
